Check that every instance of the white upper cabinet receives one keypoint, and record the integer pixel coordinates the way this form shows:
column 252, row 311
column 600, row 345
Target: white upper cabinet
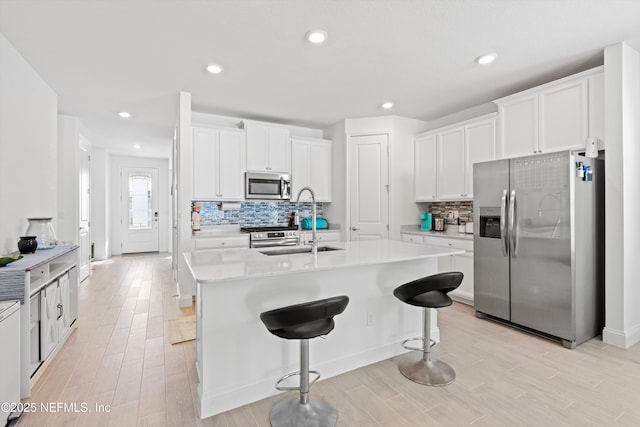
column 563, row 117
column 425, row 177
column 554, row 117
column 519, row 127
column 451, row 164
column 480, row 146
column 444, row 158
column 268, row 148
column 311, row 166
column 218, row 164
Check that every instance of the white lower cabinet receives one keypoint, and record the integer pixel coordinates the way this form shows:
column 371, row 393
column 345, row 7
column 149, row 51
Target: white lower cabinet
column 55, row 314
column 462, row 262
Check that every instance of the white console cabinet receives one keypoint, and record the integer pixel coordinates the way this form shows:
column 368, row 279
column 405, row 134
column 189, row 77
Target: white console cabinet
column 46, row 284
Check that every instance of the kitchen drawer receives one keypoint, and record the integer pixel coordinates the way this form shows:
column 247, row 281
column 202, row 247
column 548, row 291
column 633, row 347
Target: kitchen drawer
column 466, row 245
column 412, row 238
column 323, row 236
column 221, row 242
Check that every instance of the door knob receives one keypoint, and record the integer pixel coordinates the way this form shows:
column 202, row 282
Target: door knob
column 354, row 229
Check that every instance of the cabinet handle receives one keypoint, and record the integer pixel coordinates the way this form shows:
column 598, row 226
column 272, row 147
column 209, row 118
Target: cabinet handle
column 60, row 311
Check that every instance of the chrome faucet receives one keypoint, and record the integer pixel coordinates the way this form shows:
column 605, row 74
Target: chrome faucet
column 314, row 237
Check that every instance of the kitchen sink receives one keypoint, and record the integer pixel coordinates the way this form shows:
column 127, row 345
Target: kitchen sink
column 298, row 250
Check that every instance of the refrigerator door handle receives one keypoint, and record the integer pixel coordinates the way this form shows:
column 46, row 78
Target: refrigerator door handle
column 513, row 224
column 503, row 223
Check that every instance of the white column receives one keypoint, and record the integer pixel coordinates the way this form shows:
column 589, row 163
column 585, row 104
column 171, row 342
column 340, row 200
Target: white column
column 622, row 188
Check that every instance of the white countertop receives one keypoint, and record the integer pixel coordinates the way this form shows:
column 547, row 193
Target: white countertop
column 209, row 266
column 450, row 233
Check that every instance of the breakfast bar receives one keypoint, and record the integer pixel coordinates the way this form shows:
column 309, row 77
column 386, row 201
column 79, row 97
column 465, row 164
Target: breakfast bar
column 238, row 361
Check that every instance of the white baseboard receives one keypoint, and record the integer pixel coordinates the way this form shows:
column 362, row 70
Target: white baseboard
column 622, row 339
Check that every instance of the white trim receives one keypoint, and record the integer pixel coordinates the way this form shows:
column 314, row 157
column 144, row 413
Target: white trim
column 622, row 339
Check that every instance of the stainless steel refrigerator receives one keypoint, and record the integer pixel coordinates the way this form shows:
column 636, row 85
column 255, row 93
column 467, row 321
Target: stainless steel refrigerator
column 539, row 244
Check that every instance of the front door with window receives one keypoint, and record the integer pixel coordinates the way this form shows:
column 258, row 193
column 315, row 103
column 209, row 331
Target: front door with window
column 139, row 212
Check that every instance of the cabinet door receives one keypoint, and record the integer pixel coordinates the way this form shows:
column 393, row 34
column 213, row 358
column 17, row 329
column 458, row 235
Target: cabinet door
column 64, row 317
column 257, row 147
column 230, row 164
column 451, row 164
column 518, row 127
column 205, row 170
column 563, row 117
column 464, row 264
column 279, row 150
column 300, row 169
column 480, row 146
column 425, row 168
column 320, row 170
column 48, row 319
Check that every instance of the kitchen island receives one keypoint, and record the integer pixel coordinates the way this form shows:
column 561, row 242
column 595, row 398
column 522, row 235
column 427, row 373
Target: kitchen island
column 239, row 361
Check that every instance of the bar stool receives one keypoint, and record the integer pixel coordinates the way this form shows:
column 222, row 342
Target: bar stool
column 302, row 322
column 429, row 293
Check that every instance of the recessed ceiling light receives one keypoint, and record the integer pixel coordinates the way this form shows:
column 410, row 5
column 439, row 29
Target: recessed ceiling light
column 214, row 68
column 124, row 114
column 316, row 36
column 486, row 59
column 137, row 146
column 387, row 105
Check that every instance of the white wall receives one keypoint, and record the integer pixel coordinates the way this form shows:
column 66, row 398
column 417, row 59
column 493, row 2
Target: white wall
column 335, row 212
column 622, row 195
column 402, row 207
column 232, row 122
column 186, row 286
column 459, row 116
column 100, row 213
column 69, row 130
column 28, row 140
column 116, row 163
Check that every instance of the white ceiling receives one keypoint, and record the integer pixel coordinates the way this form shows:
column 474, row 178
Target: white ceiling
column 104, row 56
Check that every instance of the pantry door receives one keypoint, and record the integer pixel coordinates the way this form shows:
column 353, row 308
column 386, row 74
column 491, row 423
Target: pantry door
column 139, row 210
column 369, row 178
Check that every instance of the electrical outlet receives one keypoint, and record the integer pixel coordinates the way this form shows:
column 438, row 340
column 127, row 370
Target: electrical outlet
column 370, row 320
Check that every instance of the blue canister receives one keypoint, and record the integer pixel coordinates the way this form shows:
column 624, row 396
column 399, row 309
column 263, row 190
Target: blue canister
column 425, row 221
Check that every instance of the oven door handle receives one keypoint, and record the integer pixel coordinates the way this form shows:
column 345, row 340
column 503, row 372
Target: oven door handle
column 274, row 242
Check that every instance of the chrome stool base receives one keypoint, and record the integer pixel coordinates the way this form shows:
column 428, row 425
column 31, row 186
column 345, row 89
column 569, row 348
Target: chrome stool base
column 290, row 412
column 427, row 372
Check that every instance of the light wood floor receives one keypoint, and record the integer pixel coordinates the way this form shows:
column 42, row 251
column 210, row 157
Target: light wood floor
column 120, row 355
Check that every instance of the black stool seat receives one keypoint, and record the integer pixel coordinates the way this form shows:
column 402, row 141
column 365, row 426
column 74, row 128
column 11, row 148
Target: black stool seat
column 302, row 322
column 306, row 320
column 429, row 291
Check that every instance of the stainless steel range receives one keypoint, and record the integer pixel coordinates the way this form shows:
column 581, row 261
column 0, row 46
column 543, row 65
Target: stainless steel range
column 277, row 235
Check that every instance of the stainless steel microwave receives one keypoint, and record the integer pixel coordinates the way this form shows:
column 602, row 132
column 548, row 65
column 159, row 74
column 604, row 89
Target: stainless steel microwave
column 267, row 186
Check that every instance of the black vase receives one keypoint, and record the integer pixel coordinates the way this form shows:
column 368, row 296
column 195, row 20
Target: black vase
column 27, row 244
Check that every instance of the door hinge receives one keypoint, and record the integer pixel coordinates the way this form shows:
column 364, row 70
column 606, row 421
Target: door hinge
column 387, row 227
column 387, row 188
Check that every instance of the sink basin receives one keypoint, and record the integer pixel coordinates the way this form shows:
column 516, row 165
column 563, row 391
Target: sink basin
column 298, row 250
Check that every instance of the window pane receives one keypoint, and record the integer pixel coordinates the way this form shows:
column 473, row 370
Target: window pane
column 140, row 215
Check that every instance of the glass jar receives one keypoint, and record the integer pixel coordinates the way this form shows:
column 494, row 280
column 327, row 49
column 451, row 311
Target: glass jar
column 42, row 228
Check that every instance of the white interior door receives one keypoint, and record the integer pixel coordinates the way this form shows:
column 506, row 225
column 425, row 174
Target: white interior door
column 369, row 187
column 84, row 206
column 139, row 210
